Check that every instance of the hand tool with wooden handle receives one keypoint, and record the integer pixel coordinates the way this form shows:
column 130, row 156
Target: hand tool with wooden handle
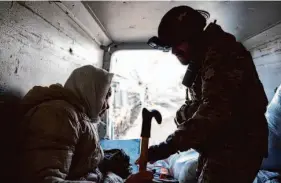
column 145, row 134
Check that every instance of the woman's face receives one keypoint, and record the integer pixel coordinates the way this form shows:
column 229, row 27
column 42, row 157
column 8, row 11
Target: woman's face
column 105, row 105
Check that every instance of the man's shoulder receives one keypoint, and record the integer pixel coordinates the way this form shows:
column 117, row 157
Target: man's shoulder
column 225, row 51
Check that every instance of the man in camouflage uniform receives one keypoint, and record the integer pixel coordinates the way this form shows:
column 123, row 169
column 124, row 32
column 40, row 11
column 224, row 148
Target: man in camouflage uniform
column 224, row 117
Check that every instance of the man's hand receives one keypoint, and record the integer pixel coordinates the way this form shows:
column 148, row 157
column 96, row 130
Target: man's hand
column 160, row 151
column 140, row 177
column 181, row 114
column 139, row 160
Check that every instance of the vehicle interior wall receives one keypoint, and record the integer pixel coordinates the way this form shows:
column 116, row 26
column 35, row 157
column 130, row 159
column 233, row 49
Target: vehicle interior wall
column 41, row 43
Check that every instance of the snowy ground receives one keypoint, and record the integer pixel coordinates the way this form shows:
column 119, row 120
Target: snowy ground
column 162, row 74
column 158, row 132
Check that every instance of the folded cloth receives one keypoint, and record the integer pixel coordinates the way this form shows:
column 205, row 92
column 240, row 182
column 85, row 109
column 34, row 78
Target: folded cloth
column 116, row 161
column 112, row 178
column 130, row 147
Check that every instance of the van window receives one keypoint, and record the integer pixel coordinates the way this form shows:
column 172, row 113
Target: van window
column 145, row 78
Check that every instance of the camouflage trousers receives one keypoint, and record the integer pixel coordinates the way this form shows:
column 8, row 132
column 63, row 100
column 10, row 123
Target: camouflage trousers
column 228, row 169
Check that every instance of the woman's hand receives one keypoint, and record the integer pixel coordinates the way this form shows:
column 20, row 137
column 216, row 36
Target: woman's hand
column 140, row 177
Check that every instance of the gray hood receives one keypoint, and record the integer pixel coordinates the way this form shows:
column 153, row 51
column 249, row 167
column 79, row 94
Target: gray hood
column 90, row 85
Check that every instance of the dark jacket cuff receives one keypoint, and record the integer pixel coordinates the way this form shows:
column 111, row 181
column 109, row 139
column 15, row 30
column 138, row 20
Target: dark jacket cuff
column 161, row 151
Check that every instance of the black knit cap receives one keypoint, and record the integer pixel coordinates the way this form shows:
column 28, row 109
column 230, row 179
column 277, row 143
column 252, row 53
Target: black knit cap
column 181, row 23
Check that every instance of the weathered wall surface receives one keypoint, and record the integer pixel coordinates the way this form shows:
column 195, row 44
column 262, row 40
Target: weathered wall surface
column 40, row 44
column 266, row 51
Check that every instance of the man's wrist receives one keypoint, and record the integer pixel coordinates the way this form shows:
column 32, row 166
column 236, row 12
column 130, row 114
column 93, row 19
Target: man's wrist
column 160, row 152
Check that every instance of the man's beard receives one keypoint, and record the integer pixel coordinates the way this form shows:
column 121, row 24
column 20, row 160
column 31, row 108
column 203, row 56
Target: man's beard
column 184, row 61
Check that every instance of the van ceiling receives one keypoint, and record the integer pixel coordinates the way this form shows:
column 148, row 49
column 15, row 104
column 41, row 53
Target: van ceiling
column 135, row 21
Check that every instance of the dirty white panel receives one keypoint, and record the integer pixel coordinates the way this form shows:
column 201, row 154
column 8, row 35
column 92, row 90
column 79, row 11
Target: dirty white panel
column 137, row 21
column 40, row 45
column 267, row 59
column 86, row 20
column 271, row 36
column 266, row 52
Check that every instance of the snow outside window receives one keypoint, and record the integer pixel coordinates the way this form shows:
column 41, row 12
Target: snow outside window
column 145, row 78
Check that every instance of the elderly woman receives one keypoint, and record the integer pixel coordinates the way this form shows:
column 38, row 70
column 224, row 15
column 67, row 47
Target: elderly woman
column 60, row 141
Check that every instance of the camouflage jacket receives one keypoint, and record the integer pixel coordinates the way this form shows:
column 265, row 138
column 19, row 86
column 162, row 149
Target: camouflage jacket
column 227, row 104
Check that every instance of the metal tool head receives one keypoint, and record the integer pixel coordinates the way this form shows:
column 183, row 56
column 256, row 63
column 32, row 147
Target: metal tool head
column 146, row 121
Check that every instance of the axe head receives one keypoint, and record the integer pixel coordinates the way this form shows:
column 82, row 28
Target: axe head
column 147, row 119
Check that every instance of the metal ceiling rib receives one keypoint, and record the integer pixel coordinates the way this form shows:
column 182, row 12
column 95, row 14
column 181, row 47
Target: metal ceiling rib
column 136, row 21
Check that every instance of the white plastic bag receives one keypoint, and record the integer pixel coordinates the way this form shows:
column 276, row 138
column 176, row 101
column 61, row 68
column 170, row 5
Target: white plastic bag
column 183, row 166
